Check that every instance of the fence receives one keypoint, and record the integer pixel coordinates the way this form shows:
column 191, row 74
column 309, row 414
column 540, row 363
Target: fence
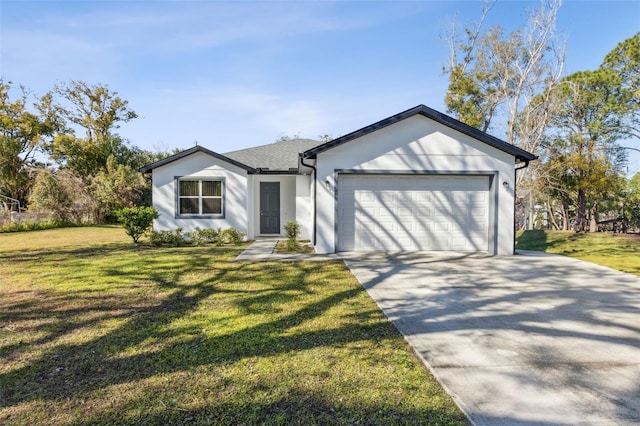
column 8, row 217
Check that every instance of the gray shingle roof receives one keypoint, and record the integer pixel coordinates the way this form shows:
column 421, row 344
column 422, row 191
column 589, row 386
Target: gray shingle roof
column 276, row 156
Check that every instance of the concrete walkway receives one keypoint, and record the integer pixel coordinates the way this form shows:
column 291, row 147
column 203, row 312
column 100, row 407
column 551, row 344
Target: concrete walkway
column 518, row 340
column 263, row 249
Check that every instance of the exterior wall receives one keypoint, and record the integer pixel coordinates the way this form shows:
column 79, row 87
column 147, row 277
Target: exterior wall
column 416, row 144
column 288, row 200
column 304, row 212
column 200, row 165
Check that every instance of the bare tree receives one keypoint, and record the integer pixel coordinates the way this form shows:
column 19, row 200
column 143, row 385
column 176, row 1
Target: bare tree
column 494, row 78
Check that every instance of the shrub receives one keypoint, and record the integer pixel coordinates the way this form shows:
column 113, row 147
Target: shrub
column 36, row 226
column 168, row 238
column 201, row 237
column 292, row 228
column 231, row 236
column 136, row 220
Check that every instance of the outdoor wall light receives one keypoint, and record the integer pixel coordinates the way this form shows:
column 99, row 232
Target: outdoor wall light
column 327, row 183
column 505, row 184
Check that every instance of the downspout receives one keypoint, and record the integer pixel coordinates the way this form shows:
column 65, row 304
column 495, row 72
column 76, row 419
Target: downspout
column 515, row 187
column 315, row 198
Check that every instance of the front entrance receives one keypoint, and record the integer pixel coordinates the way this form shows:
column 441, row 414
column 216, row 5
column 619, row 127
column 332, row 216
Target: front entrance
column 269, row 207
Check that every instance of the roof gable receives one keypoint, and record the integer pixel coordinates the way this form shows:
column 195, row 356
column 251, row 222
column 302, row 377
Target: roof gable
column 186, row 153
column 432, row 114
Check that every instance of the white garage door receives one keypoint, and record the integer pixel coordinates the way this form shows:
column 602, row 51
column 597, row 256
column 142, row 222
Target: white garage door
column 413, row 213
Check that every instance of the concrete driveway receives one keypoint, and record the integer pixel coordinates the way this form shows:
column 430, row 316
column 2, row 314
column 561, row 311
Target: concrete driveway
column 528, row 339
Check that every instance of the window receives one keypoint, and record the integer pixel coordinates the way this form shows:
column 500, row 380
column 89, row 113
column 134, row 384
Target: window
column 200, row 197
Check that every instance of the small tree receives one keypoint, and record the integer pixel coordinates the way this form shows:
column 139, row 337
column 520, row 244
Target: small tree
column 116, row 188
column 292, row 229
column 23, row 130
column 136, row 220
column 63, row 195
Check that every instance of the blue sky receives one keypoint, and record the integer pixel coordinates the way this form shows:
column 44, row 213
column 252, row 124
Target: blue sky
column 232, row 75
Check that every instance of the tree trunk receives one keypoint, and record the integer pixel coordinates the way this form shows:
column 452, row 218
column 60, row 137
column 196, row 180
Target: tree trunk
column 530, row 211
column 552, row 216
column 565, row 214
column 581, row 212
column 593, row 222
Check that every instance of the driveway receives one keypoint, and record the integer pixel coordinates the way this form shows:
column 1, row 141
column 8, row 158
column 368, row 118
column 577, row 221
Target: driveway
column 527, row 339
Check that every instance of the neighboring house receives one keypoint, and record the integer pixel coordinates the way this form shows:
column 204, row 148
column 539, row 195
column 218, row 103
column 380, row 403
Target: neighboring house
column 419, row 180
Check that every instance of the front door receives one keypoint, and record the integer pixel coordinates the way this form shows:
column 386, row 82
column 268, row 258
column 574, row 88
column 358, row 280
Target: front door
column 269, row 207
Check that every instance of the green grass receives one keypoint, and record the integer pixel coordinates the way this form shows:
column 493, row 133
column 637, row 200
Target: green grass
column 617, row 251
column 96, row 331
column 304, row 247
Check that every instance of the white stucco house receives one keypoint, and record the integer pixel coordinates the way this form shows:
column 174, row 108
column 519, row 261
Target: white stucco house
column 418, row 180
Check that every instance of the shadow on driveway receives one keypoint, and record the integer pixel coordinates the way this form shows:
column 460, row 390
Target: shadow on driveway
column 528, row 339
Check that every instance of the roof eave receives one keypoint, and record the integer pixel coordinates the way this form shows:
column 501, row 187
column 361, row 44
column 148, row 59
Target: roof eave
column 430, row 113
column 149, row 167
column 262, row 171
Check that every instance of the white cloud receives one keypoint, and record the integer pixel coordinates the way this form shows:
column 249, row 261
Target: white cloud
column 198, row 25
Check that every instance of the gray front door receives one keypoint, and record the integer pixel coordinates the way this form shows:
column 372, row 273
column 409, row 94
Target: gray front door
column 269, row 207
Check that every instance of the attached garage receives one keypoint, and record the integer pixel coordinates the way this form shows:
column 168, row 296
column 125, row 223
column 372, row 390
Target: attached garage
column 416, row 181
column 413, row 212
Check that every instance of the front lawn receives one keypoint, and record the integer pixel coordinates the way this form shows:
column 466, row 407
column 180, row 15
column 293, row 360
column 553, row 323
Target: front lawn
column 617, row 251
column 95, row 330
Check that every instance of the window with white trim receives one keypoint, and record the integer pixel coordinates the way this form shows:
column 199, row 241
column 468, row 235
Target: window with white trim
column 200, row 197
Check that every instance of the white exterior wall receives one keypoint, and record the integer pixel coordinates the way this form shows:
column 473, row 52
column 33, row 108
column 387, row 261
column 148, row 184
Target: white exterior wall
column 200, row 165
column 423, row 145
column 304, row 212
column 288, row 200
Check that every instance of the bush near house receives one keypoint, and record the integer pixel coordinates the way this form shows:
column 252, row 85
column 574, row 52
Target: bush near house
column 136, row 220
column 292, row 228
column 231, row 236
column 173, row 238
column 199, row 237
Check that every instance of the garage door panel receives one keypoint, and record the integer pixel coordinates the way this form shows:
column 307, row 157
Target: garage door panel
column 459, row 243
column 442, row 210
column 383, row 227
column 479, row 212
column 406, row 211
column 424, row 197
column 478, row 197
column 460, row 197
column 386, row 196
column 413, row 213
column 366, row 196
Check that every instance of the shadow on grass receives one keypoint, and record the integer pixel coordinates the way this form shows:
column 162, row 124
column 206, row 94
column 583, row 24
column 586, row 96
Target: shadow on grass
column 535, row 240
column 538, row 240
column 147, row 302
